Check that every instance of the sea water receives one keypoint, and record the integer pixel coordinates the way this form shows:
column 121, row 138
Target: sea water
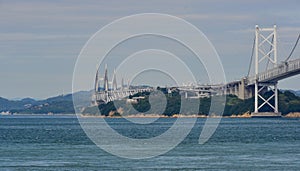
column 59, row 143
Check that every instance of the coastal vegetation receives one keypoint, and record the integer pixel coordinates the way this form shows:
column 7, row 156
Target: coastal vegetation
column 288, row 102
column 63, row 104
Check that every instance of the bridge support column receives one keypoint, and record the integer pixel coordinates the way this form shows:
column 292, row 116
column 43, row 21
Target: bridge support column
column 276, row 97
column 256, row 98
column 271, row 101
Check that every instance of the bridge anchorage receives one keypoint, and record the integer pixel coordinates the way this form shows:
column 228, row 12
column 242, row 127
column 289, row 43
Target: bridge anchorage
column 268, row 71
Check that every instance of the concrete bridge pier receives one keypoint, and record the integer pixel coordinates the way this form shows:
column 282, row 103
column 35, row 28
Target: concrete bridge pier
column 240, row 89
column 245, row 92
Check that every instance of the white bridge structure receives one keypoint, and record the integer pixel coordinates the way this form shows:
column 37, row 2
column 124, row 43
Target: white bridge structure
column 111, row 95
column 268, row 71
column 105, row 95
column 265, row 79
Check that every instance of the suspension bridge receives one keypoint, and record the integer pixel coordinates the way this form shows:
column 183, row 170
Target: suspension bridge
column 268, row 71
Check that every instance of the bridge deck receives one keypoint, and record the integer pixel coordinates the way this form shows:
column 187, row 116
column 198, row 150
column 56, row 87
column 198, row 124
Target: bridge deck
column 280, row 72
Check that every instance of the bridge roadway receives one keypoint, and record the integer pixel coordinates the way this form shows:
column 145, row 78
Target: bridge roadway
column 111, row 95
column 282, row 71
column 244, row 88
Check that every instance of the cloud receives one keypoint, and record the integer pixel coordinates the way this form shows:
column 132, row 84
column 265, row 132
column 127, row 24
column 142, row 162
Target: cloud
column 55, row 31
column 214, row 17
column 32, row 36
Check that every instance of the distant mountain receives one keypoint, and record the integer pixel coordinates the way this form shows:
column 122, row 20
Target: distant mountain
column 28, row 100
column 296, row 92
column 67, row 97
column 7, row 105
column 57, row 104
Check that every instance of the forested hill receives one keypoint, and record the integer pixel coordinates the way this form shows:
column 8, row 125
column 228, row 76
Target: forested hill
column 62, row 104
column 288, row 102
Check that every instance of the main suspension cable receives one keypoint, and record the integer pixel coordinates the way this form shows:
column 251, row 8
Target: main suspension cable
column 293, row 49
column 252, row 53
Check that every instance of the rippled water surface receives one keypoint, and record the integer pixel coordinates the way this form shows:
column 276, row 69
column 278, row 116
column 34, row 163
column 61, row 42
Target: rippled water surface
column 59, row 143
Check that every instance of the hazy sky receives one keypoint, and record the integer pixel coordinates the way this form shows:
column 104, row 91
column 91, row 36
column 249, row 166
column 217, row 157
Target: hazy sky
column 40, row 40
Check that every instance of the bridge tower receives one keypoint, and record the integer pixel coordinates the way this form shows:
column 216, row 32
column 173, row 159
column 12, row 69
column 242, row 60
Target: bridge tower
column 105, row 86
column 96, row 89
column 114, row 81
column 265, row 57
column 96, row 82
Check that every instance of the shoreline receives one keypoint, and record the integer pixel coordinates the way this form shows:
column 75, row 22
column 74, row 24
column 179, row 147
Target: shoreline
column 246, row 115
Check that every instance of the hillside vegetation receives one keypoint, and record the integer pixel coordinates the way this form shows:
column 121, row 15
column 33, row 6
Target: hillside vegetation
column 288, row 102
